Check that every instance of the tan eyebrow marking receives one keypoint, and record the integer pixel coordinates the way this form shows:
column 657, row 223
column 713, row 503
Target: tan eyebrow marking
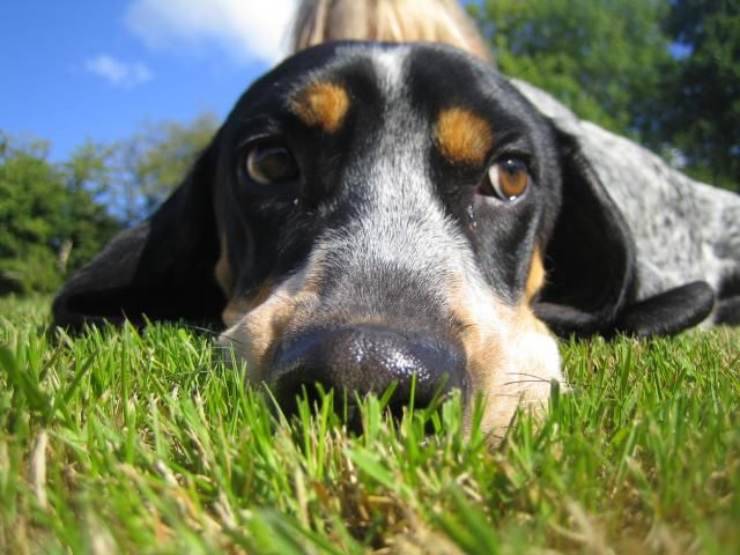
column 321, row 104
column 462, row 136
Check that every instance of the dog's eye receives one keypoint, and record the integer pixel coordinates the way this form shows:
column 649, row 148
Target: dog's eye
column 507, row 180
column 268, row 164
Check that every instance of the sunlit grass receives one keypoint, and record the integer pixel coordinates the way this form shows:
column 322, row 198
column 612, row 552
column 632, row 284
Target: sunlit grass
column 148, row 442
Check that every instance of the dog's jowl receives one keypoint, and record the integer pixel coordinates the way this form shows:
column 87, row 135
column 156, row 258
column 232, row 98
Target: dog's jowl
column 370, row 215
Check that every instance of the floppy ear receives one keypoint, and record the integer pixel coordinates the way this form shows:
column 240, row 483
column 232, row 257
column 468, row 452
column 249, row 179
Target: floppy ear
column 161, row 269
column 668, row 312
column 590, row 257
column 590, row 262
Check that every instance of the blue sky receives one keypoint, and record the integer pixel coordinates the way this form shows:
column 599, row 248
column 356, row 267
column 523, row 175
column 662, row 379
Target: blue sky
column 84, row 69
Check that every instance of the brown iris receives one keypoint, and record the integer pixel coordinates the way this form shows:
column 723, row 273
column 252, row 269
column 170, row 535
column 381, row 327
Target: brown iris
column 507, row 180
column 268, row 164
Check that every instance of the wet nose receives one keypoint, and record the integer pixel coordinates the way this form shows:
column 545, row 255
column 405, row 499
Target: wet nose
column 368, row 359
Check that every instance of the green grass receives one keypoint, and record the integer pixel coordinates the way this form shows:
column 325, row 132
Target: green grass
column 147, row 443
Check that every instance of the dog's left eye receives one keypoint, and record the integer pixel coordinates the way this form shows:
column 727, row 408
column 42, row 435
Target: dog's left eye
column 269, row 164
column 506, row 180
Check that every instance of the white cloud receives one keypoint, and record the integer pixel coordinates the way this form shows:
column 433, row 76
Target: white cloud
column 246, row 29
column 117, row 72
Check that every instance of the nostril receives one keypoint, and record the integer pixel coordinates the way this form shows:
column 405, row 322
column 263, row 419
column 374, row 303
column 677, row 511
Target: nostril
column 369, row 359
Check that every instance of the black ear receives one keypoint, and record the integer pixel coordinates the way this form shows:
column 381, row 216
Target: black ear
column 590, row 256
column 668, row 312
column 161, row 269
column 590, row 263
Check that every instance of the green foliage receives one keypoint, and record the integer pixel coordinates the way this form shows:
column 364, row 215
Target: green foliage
column 85, row 222
column 31, row 193
column 597, row 56
column 147, row 442
column 55, row 218
column 702, row 114
column 47, row 226
column 664, row 73
column 133, row 176
column 149, row 165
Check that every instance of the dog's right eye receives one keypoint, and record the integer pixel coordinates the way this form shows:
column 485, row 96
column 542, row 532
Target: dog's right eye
column 271, row 164
column 506, row 181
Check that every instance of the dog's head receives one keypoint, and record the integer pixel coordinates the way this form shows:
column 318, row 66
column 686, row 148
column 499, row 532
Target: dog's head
column 369, row 213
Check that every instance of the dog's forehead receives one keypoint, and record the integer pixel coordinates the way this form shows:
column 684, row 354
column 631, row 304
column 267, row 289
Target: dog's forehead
column 386, row 65
column 430, row 77
column 367, row 80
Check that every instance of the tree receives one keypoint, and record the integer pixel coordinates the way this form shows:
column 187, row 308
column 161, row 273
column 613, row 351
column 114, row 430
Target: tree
column 155, row 160
column 133, row 176
column 85, row 224
column 599, row 57
column 55, row 218
column 29, row 198
column 47, row 228
column 701, row 116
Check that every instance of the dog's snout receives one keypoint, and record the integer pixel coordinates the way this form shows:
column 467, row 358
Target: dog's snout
column 369, row 359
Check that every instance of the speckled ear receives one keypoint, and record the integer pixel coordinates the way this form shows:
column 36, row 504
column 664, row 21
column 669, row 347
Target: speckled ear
column 161, row 269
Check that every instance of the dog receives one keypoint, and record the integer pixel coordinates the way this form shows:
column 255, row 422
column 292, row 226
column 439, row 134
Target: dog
column 373, row 214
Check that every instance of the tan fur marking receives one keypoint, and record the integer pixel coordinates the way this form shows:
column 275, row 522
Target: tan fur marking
column 323, row 105
column 463, row 137
column 257, row 323
column 266, row 325
column 222, row 271
column 237, row 307
column 536, row 277
column 511, row 355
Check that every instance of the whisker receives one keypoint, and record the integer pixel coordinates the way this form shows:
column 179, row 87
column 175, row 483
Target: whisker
column 234, row 340
column 536, row 377
column 467, row 325
column 202, row 329
column 527, row 381
column 531, row 377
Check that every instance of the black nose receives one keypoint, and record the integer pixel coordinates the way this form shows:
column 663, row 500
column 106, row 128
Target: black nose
column 368, row 359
